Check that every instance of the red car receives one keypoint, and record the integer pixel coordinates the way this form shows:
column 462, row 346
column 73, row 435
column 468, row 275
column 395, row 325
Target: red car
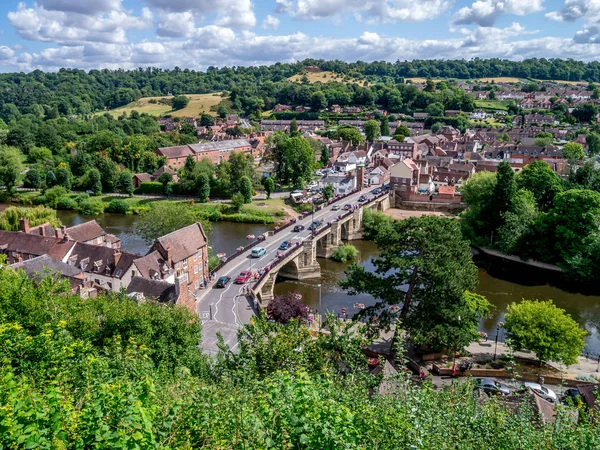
column 243, row 277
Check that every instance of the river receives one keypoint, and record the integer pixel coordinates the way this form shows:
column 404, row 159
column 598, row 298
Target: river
column 502, row 284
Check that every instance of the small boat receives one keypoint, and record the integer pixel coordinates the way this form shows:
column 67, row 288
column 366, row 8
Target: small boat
column 221, row 255
column 250, row 236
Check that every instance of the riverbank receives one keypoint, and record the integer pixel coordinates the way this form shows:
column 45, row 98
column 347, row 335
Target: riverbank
column 515, row 259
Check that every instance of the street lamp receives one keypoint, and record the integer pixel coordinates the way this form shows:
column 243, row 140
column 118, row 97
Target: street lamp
column 496, row 345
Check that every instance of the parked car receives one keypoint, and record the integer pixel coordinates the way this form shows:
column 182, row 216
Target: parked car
column 347, row 207
column 376, row 191
column 257, row 252
column 243, row 277
column 492, row 387
column 285, row 245
column 223, row 281
column 316, row 224
column 335, row 207
column 298, row 228
column 362, row 199
column 574, row 394
column 543, row 391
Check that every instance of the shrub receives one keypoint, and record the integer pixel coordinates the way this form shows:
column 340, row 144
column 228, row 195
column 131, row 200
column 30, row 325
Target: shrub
column 284, row 308
column 118, row 206
column 81, row 197
column 345, row 253
column 91, row 206
column 150, row 187
column 9, row 218
column 53, row 194
column 303, row 207
column 66, row 202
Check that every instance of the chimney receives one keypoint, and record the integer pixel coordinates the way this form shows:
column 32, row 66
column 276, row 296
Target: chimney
column 58, row 233
column 65, row 235
column 117, row 256
column 169, row 255
column 24, row 225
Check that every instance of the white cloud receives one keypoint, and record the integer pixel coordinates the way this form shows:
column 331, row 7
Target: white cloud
column 6, row 53
column 176, row 24
column 573, row 10
column 234, row 13
column 485, row 12
column 270, row 23
column 81, row 6
column 372, row 11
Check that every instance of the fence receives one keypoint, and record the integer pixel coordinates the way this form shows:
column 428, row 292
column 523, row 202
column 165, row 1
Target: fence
column 278, row 259
column 238, row 252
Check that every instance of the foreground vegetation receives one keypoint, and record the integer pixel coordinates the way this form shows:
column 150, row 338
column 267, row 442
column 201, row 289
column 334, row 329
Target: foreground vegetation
column 135, row 379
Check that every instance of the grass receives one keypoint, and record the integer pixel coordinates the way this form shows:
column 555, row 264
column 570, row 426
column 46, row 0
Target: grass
column 493, row 104
column 199, row 103
column 500, row 80
column 323, row 77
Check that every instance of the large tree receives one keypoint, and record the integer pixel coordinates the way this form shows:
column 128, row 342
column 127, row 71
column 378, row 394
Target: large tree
column 10, row 167
column 542, row 181
column 426, row 267
column 573, row 151
column 165, row 217
column 504, row 193
column 372, row 130
column 545, row 329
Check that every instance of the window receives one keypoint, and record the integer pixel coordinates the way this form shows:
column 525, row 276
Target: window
column 196, row 284
column 178, row 265
column 185, row 264
column 99, row 240
column 195, row 256
column 195, row 269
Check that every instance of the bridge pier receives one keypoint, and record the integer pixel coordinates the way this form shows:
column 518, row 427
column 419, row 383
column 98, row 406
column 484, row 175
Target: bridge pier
column 354, row 226
column 327, row 244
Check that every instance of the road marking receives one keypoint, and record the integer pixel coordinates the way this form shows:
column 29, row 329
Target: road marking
column 221, row 298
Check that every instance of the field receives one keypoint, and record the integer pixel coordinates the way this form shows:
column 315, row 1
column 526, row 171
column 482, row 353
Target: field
column 579, row 83
column 422, row 80
column 323, row 77
column 492, row 104
column 500, row 80
column 199, row 103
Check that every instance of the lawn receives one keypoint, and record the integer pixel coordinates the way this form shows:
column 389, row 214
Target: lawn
column 500, row 80
column 323, row 77
column 493, row 104
column 199, row 103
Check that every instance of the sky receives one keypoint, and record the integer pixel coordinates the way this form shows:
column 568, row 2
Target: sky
column 195, row 34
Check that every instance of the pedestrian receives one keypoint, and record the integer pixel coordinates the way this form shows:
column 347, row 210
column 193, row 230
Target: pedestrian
column 454, row 372
column 205, row 283
column 422, row 375
column 256, row 304
column 541, row 380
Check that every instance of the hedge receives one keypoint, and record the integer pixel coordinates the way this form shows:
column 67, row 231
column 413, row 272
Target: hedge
column 150, row 187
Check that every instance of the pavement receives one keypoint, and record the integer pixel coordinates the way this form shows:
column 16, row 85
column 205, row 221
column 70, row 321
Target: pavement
column 229, row 306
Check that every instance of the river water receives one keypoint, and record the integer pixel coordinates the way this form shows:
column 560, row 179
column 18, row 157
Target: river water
column 501, row 284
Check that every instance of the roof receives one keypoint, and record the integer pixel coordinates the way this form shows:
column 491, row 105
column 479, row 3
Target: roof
column 102, row 260
column 178, row 151
column 40, row 264
column 152, row 265
column 85, row 231
column 33, row 244
column 221, row 146
column 183, row 242
column 158, row 289
column 143, row 176
column 45, row 229
column 163, row 169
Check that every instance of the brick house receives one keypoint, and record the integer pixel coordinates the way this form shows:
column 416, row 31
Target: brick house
column 92, row 233
column 176, row 156
column 404, row 178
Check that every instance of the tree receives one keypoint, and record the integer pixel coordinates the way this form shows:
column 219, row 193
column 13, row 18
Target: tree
column 94, row 181
column 33, row 179
column 125, row 183
column 426, row 266
column 269, row 186
column 504, row 193
column 585, row 113
column 435, row 109
column 10, row 167
column 593, row 143
column 203, row 187
column 165, row 217
column 318, row 101
column 50, row 179
column 240, row 165
column 372, row 130
column 542, row 181
column 294, row 128
column 385, row 127
column 324, row 156
column 190, row 164
column 246, row 189
column 237, row 201
column 545, row 329
column 179, row 102
column 573, row 151
column 206, row 120
column 328, row 192
column 348, row 133
column 286, row 307
column 166, row 179
column 401, row 130
column 63, row 176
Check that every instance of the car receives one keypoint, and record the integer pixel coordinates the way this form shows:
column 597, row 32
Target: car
column 285, row 245
column 89, row 192
column 312, row 184
column 243, row 277
column 362, row 199
column 574, row 394
column 335, row 207
column 542, row 391
column 299, row 228
column 376, row 191
column 257, row 252
column 492, row 387
column 223, row 281
column 347, row 207
column 316, row 224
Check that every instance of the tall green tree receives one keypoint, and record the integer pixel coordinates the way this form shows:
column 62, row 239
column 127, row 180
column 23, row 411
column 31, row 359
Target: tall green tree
column 246, row 189
column 318, row 101
column 504, row 193
column 426, row 267
column 95, row 181
column 294, row 128
column 166, row 179
column 328, row 192
column 125, row 183
column 385, row 127
column 269, row 186
column 179, row 102
column 240, row 165
column 545, row 329
column 372, row 130
column 593, row 143
column 10, row 167
column 203, row 187
column 542, row 181
column 573, row 151
column 165, row 217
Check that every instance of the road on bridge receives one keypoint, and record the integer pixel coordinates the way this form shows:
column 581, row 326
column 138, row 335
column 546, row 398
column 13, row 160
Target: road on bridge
column 230, row 306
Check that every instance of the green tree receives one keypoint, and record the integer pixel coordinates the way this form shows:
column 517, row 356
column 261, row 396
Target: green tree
column 125, row 183
column 294, row 128
column 542, row 181
column 206, row 120
column 63, row 176
column 504, row 193
column 269, row 186
column 593, row 143
column 401, row 130
column 240, row 165
column 328, row 192
column 427, row 267
column 190, row 164
column 246, row 189
column 324, row 156
column 10, row 167
column 94, row 181
column 545, row 329
column 318, row 101
column 300, row 159
column 372, row 130
column 165, row 217
column 203, row 187
column 435, row 109
column 385, row 127
column 179, row 102
column 50, row 179
column 348, row 133
column 166, row 179
column 237, row 201
column 573, row 151
column 33, row 179
column 518, row 223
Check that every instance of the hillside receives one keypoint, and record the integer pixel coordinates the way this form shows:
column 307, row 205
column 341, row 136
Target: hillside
column 323, row 77
column 199, row 103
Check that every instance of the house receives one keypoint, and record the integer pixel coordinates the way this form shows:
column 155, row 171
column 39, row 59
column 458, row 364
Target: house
column 301, row 109
column 164, row 169
column 452, row 112
column 143, row 289
column 420, row 115
column 401, row 150
column 348, row 161
column 140, row 178
column 283, row 125
column 379, row 175
column 538, row 118
column 404, row 178
column 218, row 151
column 39, row 266
column 281, row 108
column 91, row 232
column 342, row 183
column 360, row 124
column 19, row 246
column 335, row 108
column 175, row 156
column 185, row 253
column 478, row 115
column 351, row 110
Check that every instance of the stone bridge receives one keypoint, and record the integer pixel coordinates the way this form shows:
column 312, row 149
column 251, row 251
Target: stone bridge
column 300, row 262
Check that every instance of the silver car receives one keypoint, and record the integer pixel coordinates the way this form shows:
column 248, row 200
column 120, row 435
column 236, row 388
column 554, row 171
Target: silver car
column 543, row 391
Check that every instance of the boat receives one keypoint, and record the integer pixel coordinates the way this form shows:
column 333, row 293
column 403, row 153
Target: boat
column 250, row 236
column 221, row 255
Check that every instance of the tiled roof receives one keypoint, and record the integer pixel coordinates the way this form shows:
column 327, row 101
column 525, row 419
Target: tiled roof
column 85, row 231
column 40, row 264
column 179, row 151
column 160, row 290
column 152, row 265
column 33, row 244
column 184, row 242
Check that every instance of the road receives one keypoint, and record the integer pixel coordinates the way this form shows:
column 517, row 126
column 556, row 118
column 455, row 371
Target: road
column 229, row 305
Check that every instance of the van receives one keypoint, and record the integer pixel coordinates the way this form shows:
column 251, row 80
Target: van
column 257, row 252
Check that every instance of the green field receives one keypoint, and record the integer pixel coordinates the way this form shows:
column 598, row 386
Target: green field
column 492, row 104
column 199, row 103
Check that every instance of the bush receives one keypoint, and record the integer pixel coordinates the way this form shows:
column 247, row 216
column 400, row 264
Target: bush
column 118, row 206
column 52, row 195
column 345, row 253
column 66, row 202
column 91, row 206
column 150, row 187
column 81, row 197
column 303, row 207
column 284, row 308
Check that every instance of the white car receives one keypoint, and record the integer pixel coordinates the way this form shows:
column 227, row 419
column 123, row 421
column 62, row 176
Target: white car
column 543, row 391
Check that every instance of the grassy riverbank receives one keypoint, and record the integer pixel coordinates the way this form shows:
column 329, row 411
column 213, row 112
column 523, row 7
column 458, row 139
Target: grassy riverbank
column 272, row 211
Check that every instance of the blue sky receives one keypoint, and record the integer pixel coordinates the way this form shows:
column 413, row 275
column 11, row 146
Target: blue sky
column 50, row 34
